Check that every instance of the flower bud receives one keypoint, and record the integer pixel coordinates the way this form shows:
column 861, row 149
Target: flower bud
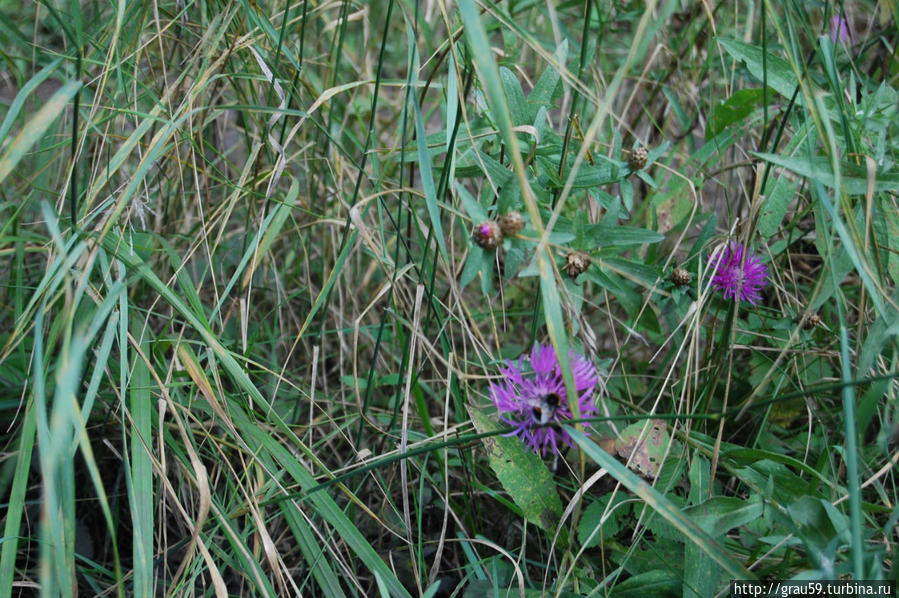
column 637, row 159
column 680, row 277
column 511, row 223
column 488, row 235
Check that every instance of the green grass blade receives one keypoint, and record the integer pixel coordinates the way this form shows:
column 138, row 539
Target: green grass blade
column 12, row 529
column 34, row 129
column 140, row 480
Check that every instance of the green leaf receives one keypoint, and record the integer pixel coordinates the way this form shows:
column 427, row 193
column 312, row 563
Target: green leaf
column 473, row 265
column 629, row 298
column 470, row 205
column 140, row 487
column 658, row 582
column 427, row 182
column 515, row 96
column 720, row 514
column 545, row 88
column 644, row 274
column 854, row 178
column 523, row 474
column 23, row 94
column 592, row 519
column 605, row 235
column 269, row 231
column 781, row 76
column 660, row 504
column 644, row 445
column 777, row 200
column 600, row 174
column 738, row 106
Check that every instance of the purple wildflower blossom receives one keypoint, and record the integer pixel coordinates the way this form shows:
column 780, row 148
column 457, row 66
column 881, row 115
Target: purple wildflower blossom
column 739, row 274
column 839, row 29
column 532, row 399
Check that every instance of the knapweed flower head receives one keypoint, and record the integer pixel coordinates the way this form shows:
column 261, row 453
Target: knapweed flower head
column 739, row 274
column 531, row 397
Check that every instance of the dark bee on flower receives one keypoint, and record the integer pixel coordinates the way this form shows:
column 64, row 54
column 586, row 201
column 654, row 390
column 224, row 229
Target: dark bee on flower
column 529, row 397
column 545, row 409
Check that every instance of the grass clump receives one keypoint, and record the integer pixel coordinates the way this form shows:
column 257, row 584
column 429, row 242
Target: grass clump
column 267, row 262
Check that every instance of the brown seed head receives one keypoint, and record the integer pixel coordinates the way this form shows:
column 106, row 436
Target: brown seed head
column 813, row 320
column 680, row 277
column 576, row 263
column 511, row 223
column 637, row 159
column 488, row 234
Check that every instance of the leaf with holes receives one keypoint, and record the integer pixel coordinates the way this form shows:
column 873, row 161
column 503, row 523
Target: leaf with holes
column 646, row 454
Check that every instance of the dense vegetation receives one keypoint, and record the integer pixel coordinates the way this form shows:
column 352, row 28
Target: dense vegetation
column 447, row 298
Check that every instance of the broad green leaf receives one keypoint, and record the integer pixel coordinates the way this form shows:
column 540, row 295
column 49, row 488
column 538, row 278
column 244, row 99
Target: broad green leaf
column 593, row 530
column 637, row 271
column 12, row 530
column 522, row 473
column 605, row 235
column 473, row 265
column 720, row 514
column 659, row 582
column 734, row 109
column 470, row 205
column 23, row 95
column 515, row 97
column 774, row 208
column 781, row 76
column 545, row 88
column 629, row 298
column 602, row 173
column 427, row 182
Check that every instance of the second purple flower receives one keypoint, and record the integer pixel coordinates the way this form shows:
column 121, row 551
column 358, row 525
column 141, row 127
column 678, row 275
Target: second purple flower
column 739, row 274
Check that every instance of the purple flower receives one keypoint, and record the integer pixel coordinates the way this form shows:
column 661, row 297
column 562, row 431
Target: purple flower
column 739, row 274
column 839, row 29
column 532, row 399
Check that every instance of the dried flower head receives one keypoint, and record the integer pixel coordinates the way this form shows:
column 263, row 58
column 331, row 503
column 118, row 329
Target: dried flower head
column 680, row 277
column 637, row 159
column 813, row 320
column 531, row 398
column 576, row 263
column 511, row 223
column 739, row 274
column 488, row 234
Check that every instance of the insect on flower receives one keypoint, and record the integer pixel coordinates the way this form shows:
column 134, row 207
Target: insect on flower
column 545, row 409
column 531, row 397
